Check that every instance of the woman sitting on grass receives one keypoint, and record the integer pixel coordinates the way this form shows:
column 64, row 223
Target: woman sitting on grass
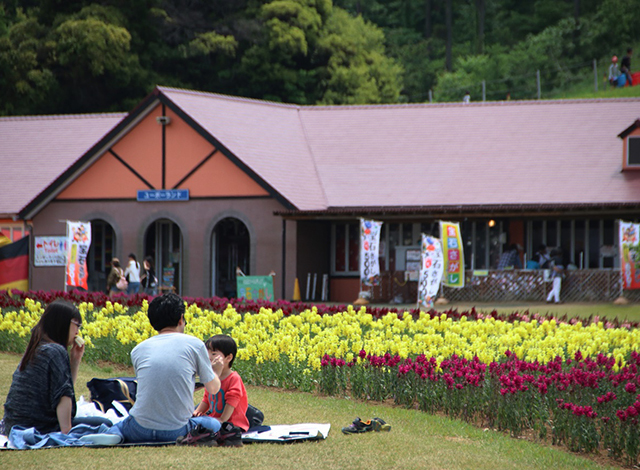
column 41, row 394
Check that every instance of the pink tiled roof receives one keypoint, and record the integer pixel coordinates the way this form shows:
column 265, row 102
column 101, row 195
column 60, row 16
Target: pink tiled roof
column 485, row 153
column 35, row 150
column 527, row 152
column 320, row 157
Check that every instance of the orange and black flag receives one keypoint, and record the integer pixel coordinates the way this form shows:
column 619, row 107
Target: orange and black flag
column 14, row 265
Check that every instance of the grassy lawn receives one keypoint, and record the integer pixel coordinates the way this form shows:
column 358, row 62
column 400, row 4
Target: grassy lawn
column 417, row 440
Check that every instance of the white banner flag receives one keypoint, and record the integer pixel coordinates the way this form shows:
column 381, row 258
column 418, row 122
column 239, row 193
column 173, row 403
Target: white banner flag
column 369, row 245
column 431, row 271
column 629, row 251
column 78, row 243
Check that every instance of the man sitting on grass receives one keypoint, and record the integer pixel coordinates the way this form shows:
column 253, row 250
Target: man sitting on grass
column 166, row 367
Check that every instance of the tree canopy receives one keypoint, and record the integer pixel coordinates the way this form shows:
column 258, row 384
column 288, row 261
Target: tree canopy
column 80, row 56
column 73, row 56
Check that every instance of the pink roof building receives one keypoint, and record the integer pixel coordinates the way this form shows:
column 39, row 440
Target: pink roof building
column 290, row 182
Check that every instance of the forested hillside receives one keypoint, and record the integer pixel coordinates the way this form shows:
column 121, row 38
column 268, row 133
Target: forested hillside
column 68, row 56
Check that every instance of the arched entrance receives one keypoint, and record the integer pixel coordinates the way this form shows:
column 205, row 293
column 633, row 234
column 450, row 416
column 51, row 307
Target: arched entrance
column 100, row 254
column 163, row 242
column 230, row 249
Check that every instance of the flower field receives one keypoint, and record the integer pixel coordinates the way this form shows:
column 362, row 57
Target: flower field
column 575, row 382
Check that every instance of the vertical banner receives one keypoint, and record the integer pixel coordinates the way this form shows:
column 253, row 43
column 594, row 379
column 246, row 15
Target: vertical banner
column 431, row 270
column 629, row 255
column 453, row 254
column 369, row 243
column 78, row 243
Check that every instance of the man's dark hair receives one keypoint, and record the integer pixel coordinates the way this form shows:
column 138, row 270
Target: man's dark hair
column 165, row 311
column 223, row 343
column 629, row 51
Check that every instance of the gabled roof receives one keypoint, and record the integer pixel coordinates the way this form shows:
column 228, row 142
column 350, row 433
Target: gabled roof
column 268, row 137
column 35, row 150
column 629, row 129
column 323, row 158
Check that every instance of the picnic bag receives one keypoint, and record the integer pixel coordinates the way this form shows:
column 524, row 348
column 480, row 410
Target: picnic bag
column 120, row 389
column 254, row 416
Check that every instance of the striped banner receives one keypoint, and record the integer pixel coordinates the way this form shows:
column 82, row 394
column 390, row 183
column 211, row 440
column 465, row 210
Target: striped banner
column 14, row 265
column 369, row 247
column 78, row 243
column 431, row 269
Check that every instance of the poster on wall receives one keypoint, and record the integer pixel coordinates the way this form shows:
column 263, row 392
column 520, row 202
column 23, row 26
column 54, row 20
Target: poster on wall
column 431, row 270
column 369, row 252
column 50, row 251
column 630, row 255
column 453, row 254
column 168, row 278
column 78, row 243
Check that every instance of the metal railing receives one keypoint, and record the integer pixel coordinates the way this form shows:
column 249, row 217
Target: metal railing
column 586, row 285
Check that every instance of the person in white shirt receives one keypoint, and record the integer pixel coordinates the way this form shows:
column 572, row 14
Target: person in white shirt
column 133, row 275
column 166, row 367
column 614, row 73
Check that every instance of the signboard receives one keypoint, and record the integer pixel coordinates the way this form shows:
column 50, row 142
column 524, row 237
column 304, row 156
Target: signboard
column 78, row 243
column 168, row 277
column 50, row 251
column 255, row 287
column 453, row 254
column 163, row 195
column 630, row 255
column 431, row 269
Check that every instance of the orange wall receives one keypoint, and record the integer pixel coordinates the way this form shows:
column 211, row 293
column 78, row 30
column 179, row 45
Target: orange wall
column 141, row 149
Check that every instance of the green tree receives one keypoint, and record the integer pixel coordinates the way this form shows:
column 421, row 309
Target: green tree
column 357, row 69
column 313, row 53
column 26, row 80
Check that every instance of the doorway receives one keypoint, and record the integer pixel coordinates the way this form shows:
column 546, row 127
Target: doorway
column 230, row 246
column 100, row 254
column 163, row 242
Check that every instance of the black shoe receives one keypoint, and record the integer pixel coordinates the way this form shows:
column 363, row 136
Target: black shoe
column 199, row 436
column 359, row 426
column 229, row 435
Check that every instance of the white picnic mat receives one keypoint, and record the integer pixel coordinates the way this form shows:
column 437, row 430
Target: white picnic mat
column 289, row 432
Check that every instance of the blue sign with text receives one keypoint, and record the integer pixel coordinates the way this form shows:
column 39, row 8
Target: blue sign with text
column 160, row 195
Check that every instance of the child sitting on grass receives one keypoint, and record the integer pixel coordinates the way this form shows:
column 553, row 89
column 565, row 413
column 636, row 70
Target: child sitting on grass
column 230, row 403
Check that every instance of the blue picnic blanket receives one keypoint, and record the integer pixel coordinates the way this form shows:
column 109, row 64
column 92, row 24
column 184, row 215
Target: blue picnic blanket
column 30, row 438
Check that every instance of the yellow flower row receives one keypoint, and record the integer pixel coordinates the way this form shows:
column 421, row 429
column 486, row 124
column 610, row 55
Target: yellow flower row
column 303, row 339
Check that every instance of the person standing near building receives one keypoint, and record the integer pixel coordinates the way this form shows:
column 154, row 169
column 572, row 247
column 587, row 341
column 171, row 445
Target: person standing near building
column 149, row 281
column 557, row 273
column 510, row 259
column 114, row 276
column 133, row 275
column 625, row 66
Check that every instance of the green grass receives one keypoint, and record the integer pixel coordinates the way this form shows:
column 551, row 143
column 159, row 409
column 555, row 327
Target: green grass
column 585, row 88
column 417, row 440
